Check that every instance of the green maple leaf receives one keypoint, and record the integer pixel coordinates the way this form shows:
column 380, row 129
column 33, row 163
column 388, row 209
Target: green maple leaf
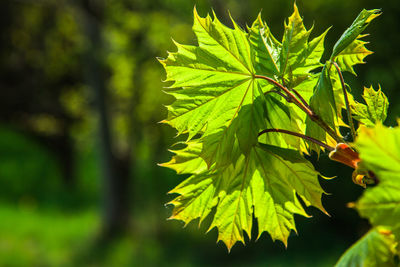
column 349, row 50
column 264, row 184
column 379, row 151
column 354, row 31
column 352, row 55
column 375, row 109
column 327, row 100
column 298, row 56
column 376, row 248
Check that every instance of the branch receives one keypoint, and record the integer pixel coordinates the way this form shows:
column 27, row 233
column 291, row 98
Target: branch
column 301, row 98
column 288, row 93
column 346, row 100
column 303, row 106
column 305, row 137
column 279, row 93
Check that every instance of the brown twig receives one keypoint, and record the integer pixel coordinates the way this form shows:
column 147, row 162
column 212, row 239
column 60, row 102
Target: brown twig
column 279, row 93
column 301, row 98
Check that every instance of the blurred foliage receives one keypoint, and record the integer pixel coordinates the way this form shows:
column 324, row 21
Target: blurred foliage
column 50, row 188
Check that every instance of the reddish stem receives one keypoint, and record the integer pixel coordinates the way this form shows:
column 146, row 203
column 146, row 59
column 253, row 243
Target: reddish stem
column 305, row 137
column 346, row 100
column 303, row 106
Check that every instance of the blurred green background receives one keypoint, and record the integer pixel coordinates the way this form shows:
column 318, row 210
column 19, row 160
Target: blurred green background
column 80, row 98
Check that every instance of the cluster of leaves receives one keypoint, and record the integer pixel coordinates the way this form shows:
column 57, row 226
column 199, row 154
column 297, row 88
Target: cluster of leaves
column 250, row 107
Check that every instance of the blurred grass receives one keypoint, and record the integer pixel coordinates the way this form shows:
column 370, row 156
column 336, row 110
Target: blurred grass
column 23, row 165
column 50, row 238
column 43, row 238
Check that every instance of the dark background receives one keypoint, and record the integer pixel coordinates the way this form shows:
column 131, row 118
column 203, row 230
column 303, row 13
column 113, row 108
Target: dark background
column 80, row 98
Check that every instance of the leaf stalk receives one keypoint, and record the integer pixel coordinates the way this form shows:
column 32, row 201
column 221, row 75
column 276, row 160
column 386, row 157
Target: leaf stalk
column 346, row 100
column 305, row 137
column 302, row 104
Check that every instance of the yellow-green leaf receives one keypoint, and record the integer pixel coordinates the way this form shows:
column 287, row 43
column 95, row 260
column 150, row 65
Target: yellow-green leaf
column 299, row 56
column 352, row 55
column 263, row 185
column 375, row 109
column 379, row 149
column 375, row 248
column 354, row 31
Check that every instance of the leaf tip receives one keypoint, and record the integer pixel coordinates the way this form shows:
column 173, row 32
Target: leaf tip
column 195, row 11
column 386, row 232
column 160, row 59
column 327, row 178
column 163, row 122
column 375, row 13
column 196, row 14
column 325, row 212
column 285, row 243
column 351, row 205
column 235, row 26
column 295, row 9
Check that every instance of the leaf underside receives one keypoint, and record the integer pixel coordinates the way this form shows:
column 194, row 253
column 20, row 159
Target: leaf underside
column 374, row 110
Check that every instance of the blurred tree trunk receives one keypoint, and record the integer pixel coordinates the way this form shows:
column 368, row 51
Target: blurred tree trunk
column 115, row 170
column 19, row 98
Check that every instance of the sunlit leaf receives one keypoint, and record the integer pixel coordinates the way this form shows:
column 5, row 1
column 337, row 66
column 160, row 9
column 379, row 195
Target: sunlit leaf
column 265, row 48
column 376, row 248
column 263, row 185
column 379, row 149
column 354, row 31
column 187, row 160
column 375, row 109
column 352, row 55
column 299, row 56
